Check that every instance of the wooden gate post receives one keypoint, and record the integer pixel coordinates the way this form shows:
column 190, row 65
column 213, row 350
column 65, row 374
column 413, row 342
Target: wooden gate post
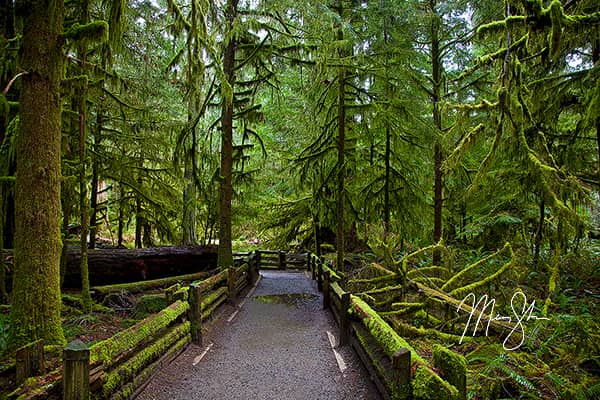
column 326, row 289
column 231, row 281
column 344, row 319
column 30, row 360
column 312, row 266
column 195, row 313
column 76, row 371
column 401, row 365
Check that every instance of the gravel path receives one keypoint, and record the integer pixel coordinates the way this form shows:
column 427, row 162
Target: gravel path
column 276, row 346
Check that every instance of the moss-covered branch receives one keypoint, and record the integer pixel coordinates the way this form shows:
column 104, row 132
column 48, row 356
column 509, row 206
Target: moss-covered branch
column 452, row 281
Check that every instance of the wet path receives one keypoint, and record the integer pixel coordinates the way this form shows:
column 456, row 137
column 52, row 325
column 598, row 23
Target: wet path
column 275, row 345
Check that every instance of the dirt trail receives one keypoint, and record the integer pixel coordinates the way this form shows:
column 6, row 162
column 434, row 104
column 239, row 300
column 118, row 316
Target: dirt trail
column 275, row 346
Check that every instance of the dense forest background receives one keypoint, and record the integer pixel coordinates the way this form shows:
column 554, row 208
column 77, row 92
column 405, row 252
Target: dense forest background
column 373, row 128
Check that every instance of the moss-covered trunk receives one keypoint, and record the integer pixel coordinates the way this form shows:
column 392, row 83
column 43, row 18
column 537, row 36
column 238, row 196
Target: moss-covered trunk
column 341, row 145
column 438, row 176
column 190, row 238
column 35, row 311
column 225, row 254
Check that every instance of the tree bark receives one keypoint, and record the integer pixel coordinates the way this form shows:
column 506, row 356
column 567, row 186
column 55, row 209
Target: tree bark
column 341, row 144
column 35, row 311
column 225, row 256
column 438, row 185
column 189, row 204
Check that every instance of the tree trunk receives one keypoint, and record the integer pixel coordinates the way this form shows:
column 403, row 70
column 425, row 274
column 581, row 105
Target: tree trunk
column 121, row 217
column 438, row 185
column 539, row 231
column 7, row 19
column 83, row 209
column 189, row 204
column 94, row 188
column 225, row 259
column 35, row 311
column 341, row 142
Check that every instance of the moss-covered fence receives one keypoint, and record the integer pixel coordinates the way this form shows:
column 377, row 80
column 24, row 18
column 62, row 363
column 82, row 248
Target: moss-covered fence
column 397, row 369
column 118, row 367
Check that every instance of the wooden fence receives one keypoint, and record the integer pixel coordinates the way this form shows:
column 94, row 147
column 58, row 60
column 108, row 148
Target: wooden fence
column 118, row 367
column 396, row 368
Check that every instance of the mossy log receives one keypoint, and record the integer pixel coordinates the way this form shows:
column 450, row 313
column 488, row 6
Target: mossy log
column 141, row 286
column 110, row 351
column 427, row 385
column 111, row 266
column 446, row 299
column 125, row 372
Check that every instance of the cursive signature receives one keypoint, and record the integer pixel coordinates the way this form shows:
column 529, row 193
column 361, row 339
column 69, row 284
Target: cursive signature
column 520, row 315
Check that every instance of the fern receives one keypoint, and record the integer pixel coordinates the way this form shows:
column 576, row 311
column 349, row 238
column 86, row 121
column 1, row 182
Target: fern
column 589, row 393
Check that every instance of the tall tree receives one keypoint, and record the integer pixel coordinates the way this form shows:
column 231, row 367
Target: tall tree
column 35, row 311
column 225, row 255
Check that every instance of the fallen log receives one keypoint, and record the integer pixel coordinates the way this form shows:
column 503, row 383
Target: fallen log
column 109, row 266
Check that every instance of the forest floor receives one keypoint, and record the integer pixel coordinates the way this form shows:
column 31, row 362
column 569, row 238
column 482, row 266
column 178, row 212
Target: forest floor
column 276, row 344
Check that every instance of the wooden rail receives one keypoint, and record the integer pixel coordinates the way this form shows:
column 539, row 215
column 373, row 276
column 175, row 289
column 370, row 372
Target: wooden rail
column 274, row 259
column 119, row 367
column 396, row 368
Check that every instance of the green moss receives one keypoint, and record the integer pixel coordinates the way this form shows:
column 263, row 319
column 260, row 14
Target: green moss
column 134, row 365
column 4, row 112
column 149, row 304
column 212, row 297
column 463, row 291
column 137, row 287
column 108, row 350
column 427, row 385
column 96, row 31
column 385, row 336
column 453, row 367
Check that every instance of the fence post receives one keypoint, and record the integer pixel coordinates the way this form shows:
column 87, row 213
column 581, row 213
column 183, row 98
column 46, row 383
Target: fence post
column 281, row 261
column 255, row 267
column 344, row 319
column 231, row 278
column 195, row 313
column 76, row 371
column 326, row 298
column 312, row 266
column 319, row 275
column 258, row 259
column 30, row 360
column 401, row 365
